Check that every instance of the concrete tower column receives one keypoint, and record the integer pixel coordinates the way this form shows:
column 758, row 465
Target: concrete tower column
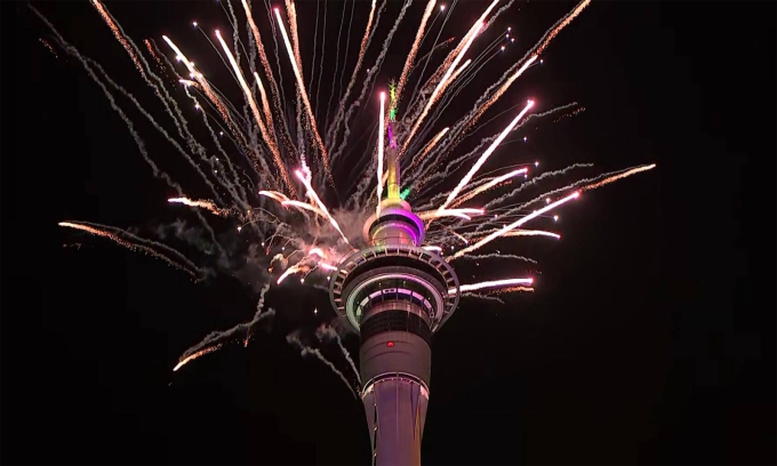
column 396, row 295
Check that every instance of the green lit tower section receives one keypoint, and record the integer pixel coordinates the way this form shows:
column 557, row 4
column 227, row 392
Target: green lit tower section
column 396, row 295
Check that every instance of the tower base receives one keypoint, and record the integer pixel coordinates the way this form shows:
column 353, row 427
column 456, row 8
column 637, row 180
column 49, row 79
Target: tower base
column 396, row 410
column 395, row 368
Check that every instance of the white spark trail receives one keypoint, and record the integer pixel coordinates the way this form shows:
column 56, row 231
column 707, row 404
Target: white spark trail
column 493, row 284
column 290, row 271
column 549, row 234
column 485, row 156
column 328, row 332
column 491, row 184
column 460, row 213
column 516, row 224
column 425, row 176
column 303, row 93
column 381, row 144
column 312, row 193
column 305, row 206
column 306, row 350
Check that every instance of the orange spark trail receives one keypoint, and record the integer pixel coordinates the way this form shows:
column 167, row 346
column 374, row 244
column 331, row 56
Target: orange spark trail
column 285, row 201
column 459, row 51
column 265, row 62
column 265, row 104
column 609, row 180
column 464, row 181
column 363, row 46
column 489, row 185
column 196, row 355
column 208, row 205
column 514, row 289
column 561, row 25
column 413, row 50
column 119, row 36
column 98, row 232
column 462, row 238
column 516, row 224
column 269, row 139
column 215, row 340
column 429, row 147
column 303, row 205
column 532, row 233
column 381, row 132
column 48, row 46
column 440, row 85
column 493, row 284
column 291, row 10
column 501, row 90
column 291, row 270
column 305, row 100
column 133, row 246
column 153, row 53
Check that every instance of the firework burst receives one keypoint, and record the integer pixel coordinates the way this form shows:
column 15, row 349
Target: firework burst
column 284, row 169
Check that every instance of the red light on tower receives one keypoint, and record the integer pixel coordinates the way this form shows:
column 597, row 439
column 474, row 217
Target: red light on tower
column 390, row 344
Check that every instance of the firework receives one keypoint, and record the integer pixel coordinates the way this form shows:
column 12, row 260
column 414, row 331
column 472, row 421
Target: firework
column 204, row 204
column 494, row 284
column 259, row 146
column 485, row 156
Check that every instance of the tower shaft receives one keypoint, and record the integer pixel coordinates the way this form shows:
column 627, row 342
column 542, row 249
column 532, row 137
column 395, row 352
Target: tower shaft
column 396, row 294
column 395, row 397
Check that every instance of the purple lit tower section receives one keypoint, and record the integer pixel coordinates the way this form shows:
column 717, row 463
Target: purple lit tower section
column 396, row 295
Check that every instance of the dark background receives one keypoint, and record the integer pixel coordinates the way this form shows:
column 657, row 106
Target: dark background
column 650, row 338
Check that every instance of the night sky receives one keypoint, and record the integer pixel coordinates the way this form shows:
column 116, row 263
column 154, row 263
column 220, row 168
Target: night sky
column 649, row 339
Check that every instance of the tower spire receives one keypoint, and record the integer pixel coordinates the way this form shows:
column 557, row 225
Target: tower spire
column 392, row 156
column 392, row 162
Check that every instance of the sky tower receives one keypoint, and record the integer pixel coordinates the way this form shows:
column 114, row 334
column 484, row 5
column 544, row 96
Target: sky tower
column 396, row 295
